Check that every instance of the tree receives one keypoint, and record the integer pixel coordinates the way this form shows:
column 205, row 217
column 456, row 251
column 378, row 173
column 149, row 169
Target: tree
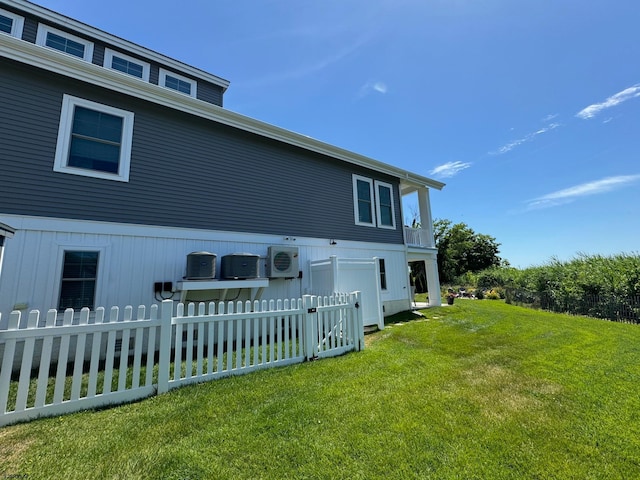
column 461, row 250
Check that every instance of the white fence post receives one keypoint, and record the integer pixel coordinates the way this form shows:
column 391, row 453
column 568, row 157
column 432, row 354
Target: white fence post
column 164, row 355
column 7, row 361
column 310, row 325
column 358, row 328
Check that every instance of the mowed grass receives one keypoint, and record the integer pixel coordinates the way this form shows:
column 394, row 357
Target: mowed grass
column 479, row 389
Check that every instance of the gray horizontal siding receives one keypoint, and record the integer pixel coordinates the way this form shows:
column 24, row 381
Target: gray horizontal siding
column 30, row 30
column 98, row 54
column 185, row 171
column 154, row 74
column 208, row 92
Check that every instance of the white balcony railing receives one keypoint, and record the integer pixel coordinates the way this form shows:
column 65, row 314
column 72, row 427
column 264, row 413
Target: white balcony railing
column 418, row 237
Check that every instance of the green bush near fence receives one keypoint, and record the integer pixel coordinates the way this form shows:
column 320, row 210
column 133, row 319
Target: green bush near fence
column 474, row 390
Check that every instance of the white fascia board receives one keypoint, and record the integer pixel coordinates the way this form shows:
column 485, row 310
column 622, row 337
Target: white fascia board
column 127, row 46
column 57, row 62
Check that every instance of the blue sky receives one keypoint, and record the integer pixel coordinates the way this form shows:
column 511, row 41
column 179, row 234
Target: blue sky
column 528, row 110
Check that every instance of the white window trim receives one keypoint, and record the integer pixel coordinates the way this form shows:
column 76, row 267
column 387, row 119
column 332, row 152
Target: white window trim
column 64, row 139
column 41, row 39
column 108, row 58
column 163, row 77
column 98, row 296
column 17, row 25
column 356, row 210
column 378, row 183
column 375, row 203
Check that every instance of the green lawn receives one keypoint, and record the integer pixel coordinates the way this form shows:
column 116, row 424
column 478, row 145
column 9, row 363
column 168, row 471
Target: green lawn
column 479, row 389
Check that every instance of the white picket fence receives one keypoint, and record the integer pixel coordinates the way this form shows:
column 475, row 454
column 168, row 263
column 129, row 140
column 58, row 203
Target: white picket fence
column 94, row 359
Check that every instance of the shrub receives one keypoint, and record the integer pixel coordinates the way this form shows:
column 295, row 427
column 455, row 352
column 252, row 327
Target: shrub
column 493, row 295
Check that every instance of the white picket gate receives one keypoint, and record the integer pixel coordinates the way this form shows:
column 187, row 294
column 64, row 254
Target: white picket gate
column 95, row 359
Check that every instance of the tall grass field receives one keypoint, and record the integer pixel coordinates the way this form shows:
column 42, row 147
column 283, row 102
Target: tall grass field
column 477, row 390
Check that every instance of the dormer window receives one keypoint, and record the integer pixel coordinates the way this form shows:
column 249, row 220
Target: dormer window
column 64, row 42
column 126, row 64
column 177, row 82
column 11, row 24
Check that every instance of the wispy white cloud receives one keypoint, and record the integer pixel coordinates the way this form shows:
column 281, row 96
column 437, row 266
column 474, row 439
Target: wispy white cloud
column 449, row 169
column 372, row 86
column 570, row 194
column 527, row 138
column 310, row 68
column 549, row 117
column 594, row 109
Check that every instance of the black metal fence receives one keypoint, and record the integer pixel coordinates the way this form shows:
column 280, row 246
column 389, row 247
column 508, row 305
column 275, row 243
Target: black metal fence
column 609, row 307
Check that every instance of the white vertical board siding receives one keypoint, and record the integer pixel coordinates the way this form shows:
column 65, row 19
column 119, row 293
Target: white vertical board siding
column 341, row 274
column 133, row 257
column 397, row 269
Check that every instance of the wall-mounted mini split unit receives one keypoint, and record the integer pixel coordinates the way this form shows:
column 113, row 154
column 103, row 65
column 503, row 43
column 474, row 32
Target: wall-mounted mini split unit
column 201, row 266
column 282, row 262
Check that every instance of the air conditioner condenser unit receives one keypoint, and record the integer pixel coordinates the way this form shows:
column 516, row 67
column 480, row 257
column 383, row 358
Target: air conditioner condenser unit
column 282, row 262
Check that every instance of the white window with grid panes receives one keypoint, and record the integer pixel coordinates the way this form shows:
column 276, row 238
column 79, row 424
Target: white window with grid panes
column 126, row 64
column 64, row 42
column 385, row 207
column 373, row 203
column 78, row 279
column 363, row 201
column 94, row 140
column 177, row 82
column 11, row 24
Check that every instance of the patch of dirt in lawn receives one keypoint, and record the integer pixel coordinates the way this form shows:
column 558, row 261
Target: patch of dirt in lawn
column 502, row 393
column 11, row 446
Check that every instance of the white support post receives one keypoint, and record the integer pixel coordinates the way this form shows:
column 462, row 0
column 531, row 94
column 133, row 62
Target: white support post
column 426, row 221
column 433, row 282
column 310, row 325
column 164, row 354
